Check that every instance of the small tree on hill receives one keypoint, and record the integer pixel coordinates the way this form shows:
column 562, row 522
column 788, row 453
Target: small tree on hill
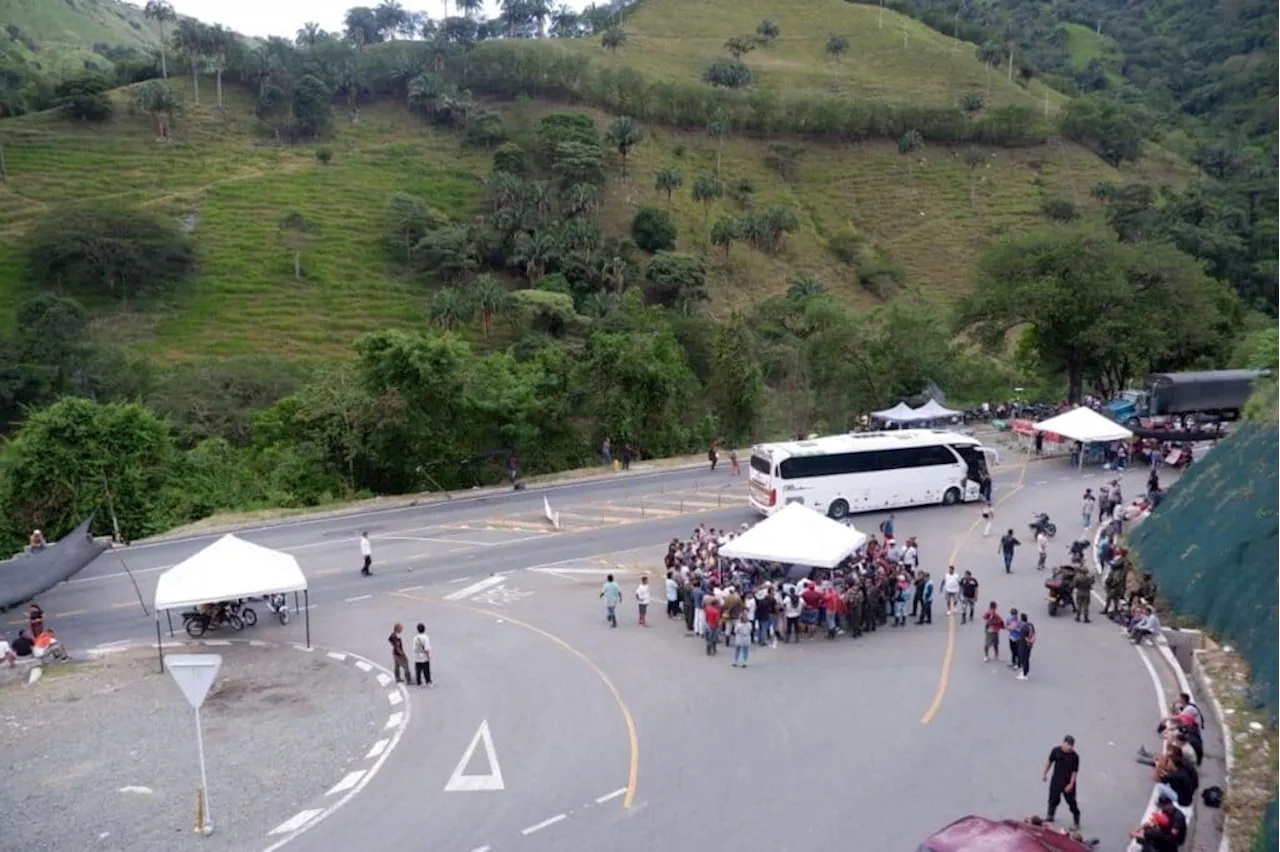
column 740, row 46
column 706, row 189
column 296, row 232
column 719, row 128
column 84, row 97
column 668, row 180
column 489, row 299
column 972, row 103
column 191, row 39
column 624, row 134
column 613, row 38
column 768, row 32
column 156, row 98
column 724, row 232
column 162, row 13
column 910, row 142
column 837, row 46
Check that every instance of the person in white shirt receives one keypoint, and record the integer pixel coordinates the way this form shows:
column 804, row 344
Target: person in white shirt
column 951, row 589
column 366, row 551
column 422, row 657
column 911, row 554
column 988, row 514
column 1042, row 550
column 1087, row 505
column 642, row 600
column 673, row 596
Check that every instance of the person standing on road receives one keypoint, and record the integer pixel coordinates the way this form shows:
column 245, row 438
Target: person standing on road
column 951, row 589
column 992, row 624
column 398, row 659
column 1042, row 549
column 1087, row 505
column 1083, row 584
column 672, row 589
column 712, row 631
column 366, row 554
column 713, row 455
column 422, row 657
column 611, row 593
column 1064, row 763
column 1013, row 624
column 741, row 640
column 968, row 596
column 626, row 455
column 988, row 515
column 1026, row 640
column 1008, row 544
column 926, row 601
column 642, row 599
column 606, row 453
column 735, row 467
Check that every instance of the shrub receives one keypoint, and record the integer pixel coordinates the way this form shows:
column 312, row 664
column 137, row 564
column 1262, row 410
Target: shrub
column 324, row 156
column 728, row 74
column 653, row 230
column 1059, row 210
column 511, row 158
column 84, row 97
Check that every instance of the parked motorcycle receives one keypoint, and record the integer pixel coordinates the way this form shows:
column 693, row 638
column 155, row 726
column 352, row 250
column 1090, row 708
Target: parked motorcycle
column 1042, row 524
column 279, row 604
column 197, row 623
column 245, row 612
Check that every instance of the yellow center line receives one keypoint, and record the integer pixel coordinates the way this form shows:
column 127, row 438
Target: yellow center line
column 633, row 739
column 948, row 656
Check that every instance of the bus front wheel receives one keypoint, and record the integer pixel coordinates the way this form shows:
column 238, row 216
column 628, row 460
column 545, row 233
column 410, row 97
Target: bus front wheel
column 952, row 497
column 838, row 510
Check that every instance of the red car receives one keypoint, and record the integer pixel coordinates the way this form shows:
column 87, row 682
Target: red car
column 979, row 834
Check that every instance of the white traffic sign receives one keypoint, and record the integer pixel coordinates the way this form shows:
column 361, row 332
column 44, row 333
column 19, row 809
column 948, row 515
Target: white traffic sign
column 460, row 782
column 194, row 674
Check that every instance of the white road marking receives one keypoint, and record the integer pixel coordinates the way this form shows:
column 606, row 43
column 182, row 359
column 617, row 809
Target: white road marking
column 334, row 655
column 295, row 822
column 351, row 780
column 363, row 666
column 303, row 648
column 460, row 783
column 216, row 643
column 611, row 796
column 559, row 572
column 146, row 791
column 384, row 679
column 453, row 582
column 474, row 588
column 359, row 598
column 257, row 643
column 394, row 698
column 481, row 849
column 546, row 822
column 378, row 748
column 393, row 720
column 501, row 596
column 409, row 589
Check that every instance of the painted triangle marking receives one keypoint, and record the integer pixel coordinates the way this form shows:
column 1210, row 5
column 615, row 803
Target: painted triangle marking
column 462, row 783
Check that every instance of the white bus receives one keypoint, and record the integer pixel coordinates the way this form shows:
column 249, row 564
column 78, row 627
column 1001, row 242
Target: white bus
column 867, row 472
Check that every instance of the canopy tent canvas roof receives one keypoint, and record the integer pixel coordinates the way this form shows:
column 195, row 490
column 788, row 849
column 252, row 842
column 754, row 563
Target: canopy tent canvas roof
column 900, row 413
column 796, row 535
column 934, row 410
column 227, row 570
column 1085, row 425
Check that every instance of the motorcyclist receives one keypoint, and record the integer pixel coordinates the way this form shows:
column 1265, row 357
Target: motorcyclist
column 1079, row 548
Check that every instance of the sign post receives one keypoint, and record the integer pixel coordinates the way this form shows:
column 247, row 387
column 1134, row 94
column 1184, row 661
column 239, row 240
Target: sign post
column 194, row 674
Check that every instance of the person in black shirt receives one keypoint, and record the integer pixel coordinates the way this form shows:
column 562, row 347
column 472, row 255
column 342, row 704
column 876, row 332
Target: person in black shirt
column 968, row 596
column 23, row 645
column 1064, row 761
column 1181, row 779
column 1177, row 821
column 398, row 658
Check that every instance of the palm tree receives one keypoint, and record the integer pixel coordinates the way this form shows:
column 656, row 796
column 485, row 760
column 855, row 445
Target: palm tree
column 624, row 134
column 219, row 42
column 308, row 34
column 804, row 287
column 162, row 13
column 449, row 308
column 190, row 38
column 718, row 128
column 706, row 189
column 668, row 180
column 534, row 253
column 470, row 7
column 489, row 299
column 580, row 199
column 613, row 39
column 837, row 46
column 156, row 98
column 724, row 232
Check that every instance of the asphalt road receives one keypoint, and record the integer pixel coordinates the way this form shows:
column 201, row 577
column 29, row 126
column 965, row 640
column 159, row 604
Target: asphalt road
column 633, row 738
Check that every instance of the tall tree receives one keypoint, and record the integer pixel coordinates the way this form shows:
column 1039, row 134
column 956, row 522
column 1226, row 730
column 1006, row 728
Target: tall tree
column 718, row 128
column 191, row 39
column 308, row 35
column 668, row 181
column 157, row 99
column 220, row 43
column 624, row 134
column 296, row 232
column 162, row 13
column 706, row 189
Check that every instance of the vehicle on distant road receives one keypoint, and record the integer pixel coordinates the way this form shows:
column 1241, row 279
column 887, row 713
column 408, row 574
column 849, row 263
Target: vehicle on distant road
column 979, row 834
column 841, row 475
column 1208, row 394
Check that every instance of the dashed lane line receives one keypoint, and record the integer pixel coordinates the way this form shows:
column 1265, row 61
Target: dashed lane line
column 621, row 791
column 544, row 824
column 358, row 598
column 295, row 822
column 348, row 781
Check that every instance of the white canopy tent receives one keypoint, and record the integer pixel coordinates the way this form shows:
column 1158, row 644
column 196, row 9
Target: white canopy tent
column 1085, row 425
column 933, row 410
column 900, row 413
column 227, row 570
column 796, row 535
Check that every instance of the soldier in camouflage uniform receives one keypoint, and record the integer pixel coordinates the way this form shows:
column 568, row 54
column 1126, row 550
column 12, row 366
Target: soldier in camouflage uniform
column 1084, row 592
column 1115, row 586
column 854, row 600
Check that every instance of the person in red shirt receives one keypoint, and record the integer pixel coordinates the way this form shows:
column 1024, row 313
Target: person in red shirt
column 992, row 624
column 713, row 626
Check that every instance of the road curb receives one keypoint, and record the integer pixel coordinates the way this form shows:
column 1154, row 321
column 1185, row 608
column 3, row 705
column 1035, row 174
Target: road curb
column 359, row 772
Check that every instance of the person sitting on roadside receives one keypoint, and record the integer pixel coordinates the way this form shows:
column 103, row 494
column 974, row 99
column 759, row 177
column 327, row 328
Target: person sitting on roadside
column 7, row 653
column 1177, row 819
column 47, row 644
column 1146, row 627
column 37, row 541
column 1155, row 833
column 23, row 646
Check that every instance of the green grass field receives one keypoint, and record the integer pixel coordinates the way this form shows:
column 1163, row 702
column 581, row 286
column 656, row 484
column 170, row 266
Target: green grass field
column 667, row 39
column 65, row 31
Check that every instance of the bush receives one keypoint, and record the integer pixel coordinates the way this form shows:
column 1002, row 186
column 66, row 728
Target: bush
column 653, row 230
column 1059, row 210
column 84, row 97
column 511, row 158
column 728, row 74
column 324, row 156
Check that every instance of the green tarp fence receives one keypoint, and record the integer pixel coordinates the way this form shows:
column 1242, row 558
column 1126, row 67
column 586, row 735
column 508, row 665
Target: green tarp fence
column 1266, row 839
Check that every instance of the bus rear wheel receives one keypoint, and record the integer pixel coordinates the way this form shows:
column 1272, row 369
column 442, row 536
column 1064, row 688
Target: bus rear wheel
column 838, row 510
column 952, row 497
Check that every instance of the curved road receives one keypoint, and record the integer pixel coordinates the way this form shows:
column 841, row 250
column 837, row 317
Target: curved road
column 633, row 738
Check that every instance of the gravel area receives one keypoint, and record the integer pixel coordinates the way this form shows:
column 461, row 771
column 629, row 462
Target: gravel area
column 102, row 755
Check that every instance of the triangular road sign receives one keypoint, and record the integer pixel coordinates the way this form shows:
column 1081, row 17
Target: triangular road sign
column 194, row 674
column 459, row 782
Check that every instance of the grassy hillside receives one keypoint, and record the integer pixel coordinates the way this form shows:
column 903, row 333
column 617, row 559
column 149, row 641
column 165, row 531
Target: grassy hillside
column 670, row 39
column 64, row 32
column 912, row 213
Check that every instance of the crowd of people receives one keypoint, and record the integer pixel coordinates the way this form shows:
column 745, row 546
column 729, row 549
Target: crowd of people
column 36, row 641
column 1175, row 771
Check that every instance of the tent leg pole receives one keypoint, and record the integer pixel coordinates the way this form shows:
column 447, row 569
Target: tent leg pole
column 168, row 615
column 295, row 602
column 159, row 645
column 306, row 600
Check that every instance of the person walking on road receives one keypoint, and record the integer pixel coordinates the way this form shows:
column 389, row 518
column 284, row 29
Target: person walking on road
column 968, row 596
column 1084, row 593
column 366, row 554
column 1026, row 641
column 398, row 659
column 951, row 589
column 422, row 657
column 1042, row 550
column 1087, row 505
column 642, row 600
column 611, row 592
column 988, row 515
column 1008, row 544
column 992, row 624
column 1013, row 624
column 712, row 630
column 741, row 640
column 1064, row 764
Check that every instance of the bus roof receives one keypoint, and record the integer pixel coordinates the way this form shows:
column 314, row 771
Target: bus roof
column 867, row 441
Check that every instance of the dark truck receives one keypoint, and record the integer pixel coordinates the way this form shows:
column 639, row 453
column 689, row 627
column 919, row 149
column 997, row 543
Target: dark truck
column 1209, row 394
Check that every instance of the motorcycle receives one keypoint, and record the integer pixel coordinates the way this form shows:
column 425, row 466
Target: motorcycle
column 1042, row 524
column 245, row 612
column 279, row 604
column 1079, row 548
column 196, row 623
column 1060, row 586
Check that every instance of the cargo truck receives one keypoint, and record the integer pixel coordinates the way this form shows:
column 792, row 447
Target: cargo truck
column 1208, row 394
